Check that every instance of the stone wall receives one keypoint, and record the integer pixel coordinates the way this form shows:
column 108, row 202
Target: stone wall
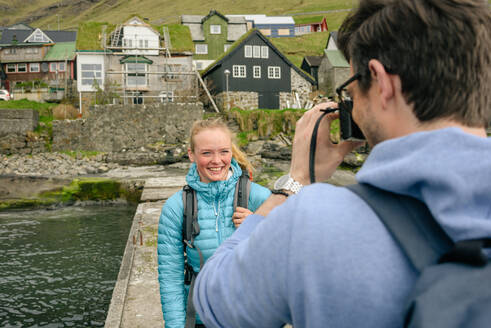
column 17, row 121
column 240, row 99
column 300, row 86
column 112, row 128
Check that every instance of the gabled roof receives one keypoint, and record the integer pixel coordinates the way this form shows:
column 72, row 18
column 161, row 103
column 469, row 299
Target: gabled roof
column 236, row 25
column 9, row 35
column 334, row 36
column 20, row 26
column 213, row 12
column 38, row 32
column 313, row 61
column 137, row 21
column 336, row 58
column 246, row 37
column 61, row 51
column 135, row 59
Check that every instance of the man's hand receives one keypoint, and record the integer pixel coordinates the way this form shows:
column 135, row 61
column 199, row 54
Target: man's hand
column 239, row 215
column 328, row 155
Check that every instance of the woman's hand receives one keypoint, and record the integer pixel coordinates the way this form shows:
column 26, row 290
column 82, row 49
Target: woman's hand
column 239, row 215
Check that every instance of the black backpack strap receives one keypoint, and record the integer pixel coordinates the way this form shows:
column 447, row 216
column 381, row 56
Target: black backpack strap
column 242, row 190
column 410, row 222
column 190, row 229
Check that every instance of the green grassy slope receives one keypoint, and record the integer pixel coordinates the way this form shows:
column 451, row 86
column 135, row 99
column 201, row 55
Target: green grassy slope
column 69, row 13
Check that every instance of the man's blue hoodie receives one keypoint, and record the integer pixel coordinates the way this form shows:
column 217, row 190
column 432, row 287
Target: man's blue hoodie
column 323, row 258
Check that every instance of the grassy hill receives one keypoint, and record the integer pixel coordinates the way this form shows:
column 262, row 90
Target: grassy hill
column 67, row 14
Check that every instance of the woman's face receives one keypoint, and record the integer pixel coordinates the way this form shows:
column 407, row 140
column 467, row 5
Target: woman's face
column 212, row 154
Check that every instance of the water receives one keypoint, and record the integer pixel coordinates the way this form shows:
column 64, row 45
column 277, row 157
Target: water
column 58, row 268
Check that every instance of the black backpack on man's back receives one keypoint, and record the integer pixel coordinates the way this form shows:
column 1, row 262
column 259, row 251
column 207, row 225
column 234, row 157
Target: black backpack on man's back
column 454, row 286
column 190, row 229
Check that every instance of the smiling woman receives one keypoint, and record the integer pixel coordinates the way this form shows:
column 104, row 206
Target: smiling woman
column 217, row 166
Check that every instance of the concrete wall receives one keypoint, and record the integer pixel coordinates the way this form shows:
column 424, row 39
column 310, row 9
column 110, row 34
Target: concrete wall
column 17, row 121
column 111, row 128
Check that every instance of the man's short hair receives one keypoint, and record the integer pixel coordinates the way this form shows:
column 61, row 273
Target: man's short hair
column 441, row 50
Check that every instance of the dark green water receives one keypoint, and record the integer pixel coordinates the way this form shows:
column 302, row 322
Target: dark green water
column 58, row 268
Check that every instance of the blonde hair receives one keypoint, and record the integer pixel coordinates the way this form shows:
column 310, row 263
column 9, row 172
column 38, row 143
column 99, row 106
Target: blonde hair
column 218, row 123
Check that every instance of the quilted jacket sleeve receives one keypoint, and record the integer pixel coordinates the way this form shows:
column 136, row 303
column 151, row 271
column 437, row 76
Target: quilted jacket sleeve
column 173, row 294
column 257, row 196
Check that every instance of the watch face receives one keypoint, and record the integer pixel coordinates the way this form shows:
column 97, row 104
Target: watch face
column 281, row 182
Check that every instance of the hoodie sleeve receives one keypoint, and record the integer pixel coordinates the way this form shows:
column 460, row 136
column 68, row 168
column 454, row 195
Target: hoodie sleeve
column 171, row 263
column 257, row 196
column 254, row 258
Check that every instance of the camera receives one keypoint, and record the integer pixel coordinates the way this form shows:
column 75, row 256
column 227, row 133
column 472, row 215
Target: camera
column 349, row 130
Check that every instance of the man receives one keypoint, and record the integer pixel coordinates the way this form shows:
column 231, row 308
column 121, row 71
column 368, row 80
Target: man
column 422, row 97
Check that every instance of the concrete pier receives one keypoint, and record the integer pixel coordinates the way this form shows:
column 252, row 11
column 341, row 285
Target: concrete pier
column 136, row 297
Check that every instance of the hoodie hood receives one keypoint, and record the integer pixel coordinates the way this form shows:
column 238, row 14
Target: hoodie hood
column 210, row 190
column 448, row 169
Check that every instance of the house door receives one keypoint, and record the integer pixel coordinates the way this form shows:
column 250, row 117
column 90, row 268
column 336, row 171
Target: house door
column 269, row 100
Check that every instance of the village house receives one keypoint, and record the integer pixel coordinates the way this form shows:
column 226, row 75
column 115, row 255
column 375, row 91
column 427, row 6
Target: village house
column 135, row 62
column 253, row 73
column 31, row 58
column 310, row 64
column 310, row 25
column 212, row 35
column 333, row 70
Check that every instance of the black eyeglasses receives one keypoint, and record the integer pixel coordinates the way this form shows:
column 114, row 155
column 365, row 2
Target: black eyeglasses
column 339, row 90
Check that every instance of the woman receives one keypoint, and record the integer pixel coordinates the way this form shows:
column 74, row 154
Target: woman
column 217, row 166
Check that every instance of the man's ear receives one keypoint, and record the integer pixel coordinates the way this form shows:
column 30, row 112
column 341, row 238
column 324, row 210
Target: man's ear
column 385, row 83
column 190, row 155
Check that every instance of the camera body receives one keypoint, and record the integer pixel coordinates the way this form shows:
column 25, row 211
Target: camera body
column 349, row 130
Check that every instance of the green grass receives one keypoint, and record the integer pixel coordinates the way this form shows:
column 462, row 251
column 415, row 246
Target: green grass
column 295, row 48
column 70, row 15
column 89, row 36
column 307, row 19
column 180, row 38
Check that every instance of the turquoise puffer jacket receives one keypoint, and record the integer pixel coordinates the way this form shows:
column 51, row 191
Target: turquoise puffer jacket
column 215, row 209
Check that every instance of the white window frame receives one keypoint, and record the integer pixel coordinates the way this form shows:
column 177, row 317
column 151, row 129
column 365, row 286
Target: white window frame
column 256, row 51
column 166, row 96
column 11, row 68
column 215, row 29
column 34, row 68
column 53, row 67
column 22, row 68
column 248, row 51
column 239, row 71
column 201, row 49
column 136, row 74
column 274, row 72
column 90, row 72
column 256, row 72
column 61, row 67
column 264, row 52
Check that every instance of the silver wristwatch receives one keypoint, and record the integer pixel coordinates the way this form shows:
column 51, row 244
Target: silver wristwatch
column 286, row 182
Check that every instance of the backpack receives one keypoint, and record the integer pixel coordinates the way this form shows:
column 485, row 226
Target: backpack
column 454, row 286
column 190, row 229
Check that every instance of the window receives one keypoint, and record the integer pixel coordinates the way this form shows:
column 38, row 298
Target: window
column 266, row 32
column 52, row 67
column 61, row 67
column 32, row 50
column 11, row 51
column 264, row 52
column 199, row 65
column 226, row 47
column 274, row 72
column 283, row 31
column 257, row 51
column 248, row 51
column 166, row 96
column 91, row 73
column 140, row 43
column 130, row 43
column 146, row 43
column 11, row 68
column 201, row 49
column 136, row 74
column 34, row 67
column 256, row 72
column 39, row 37
column 215, row 29
column 21, row 68
column 239, row 71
